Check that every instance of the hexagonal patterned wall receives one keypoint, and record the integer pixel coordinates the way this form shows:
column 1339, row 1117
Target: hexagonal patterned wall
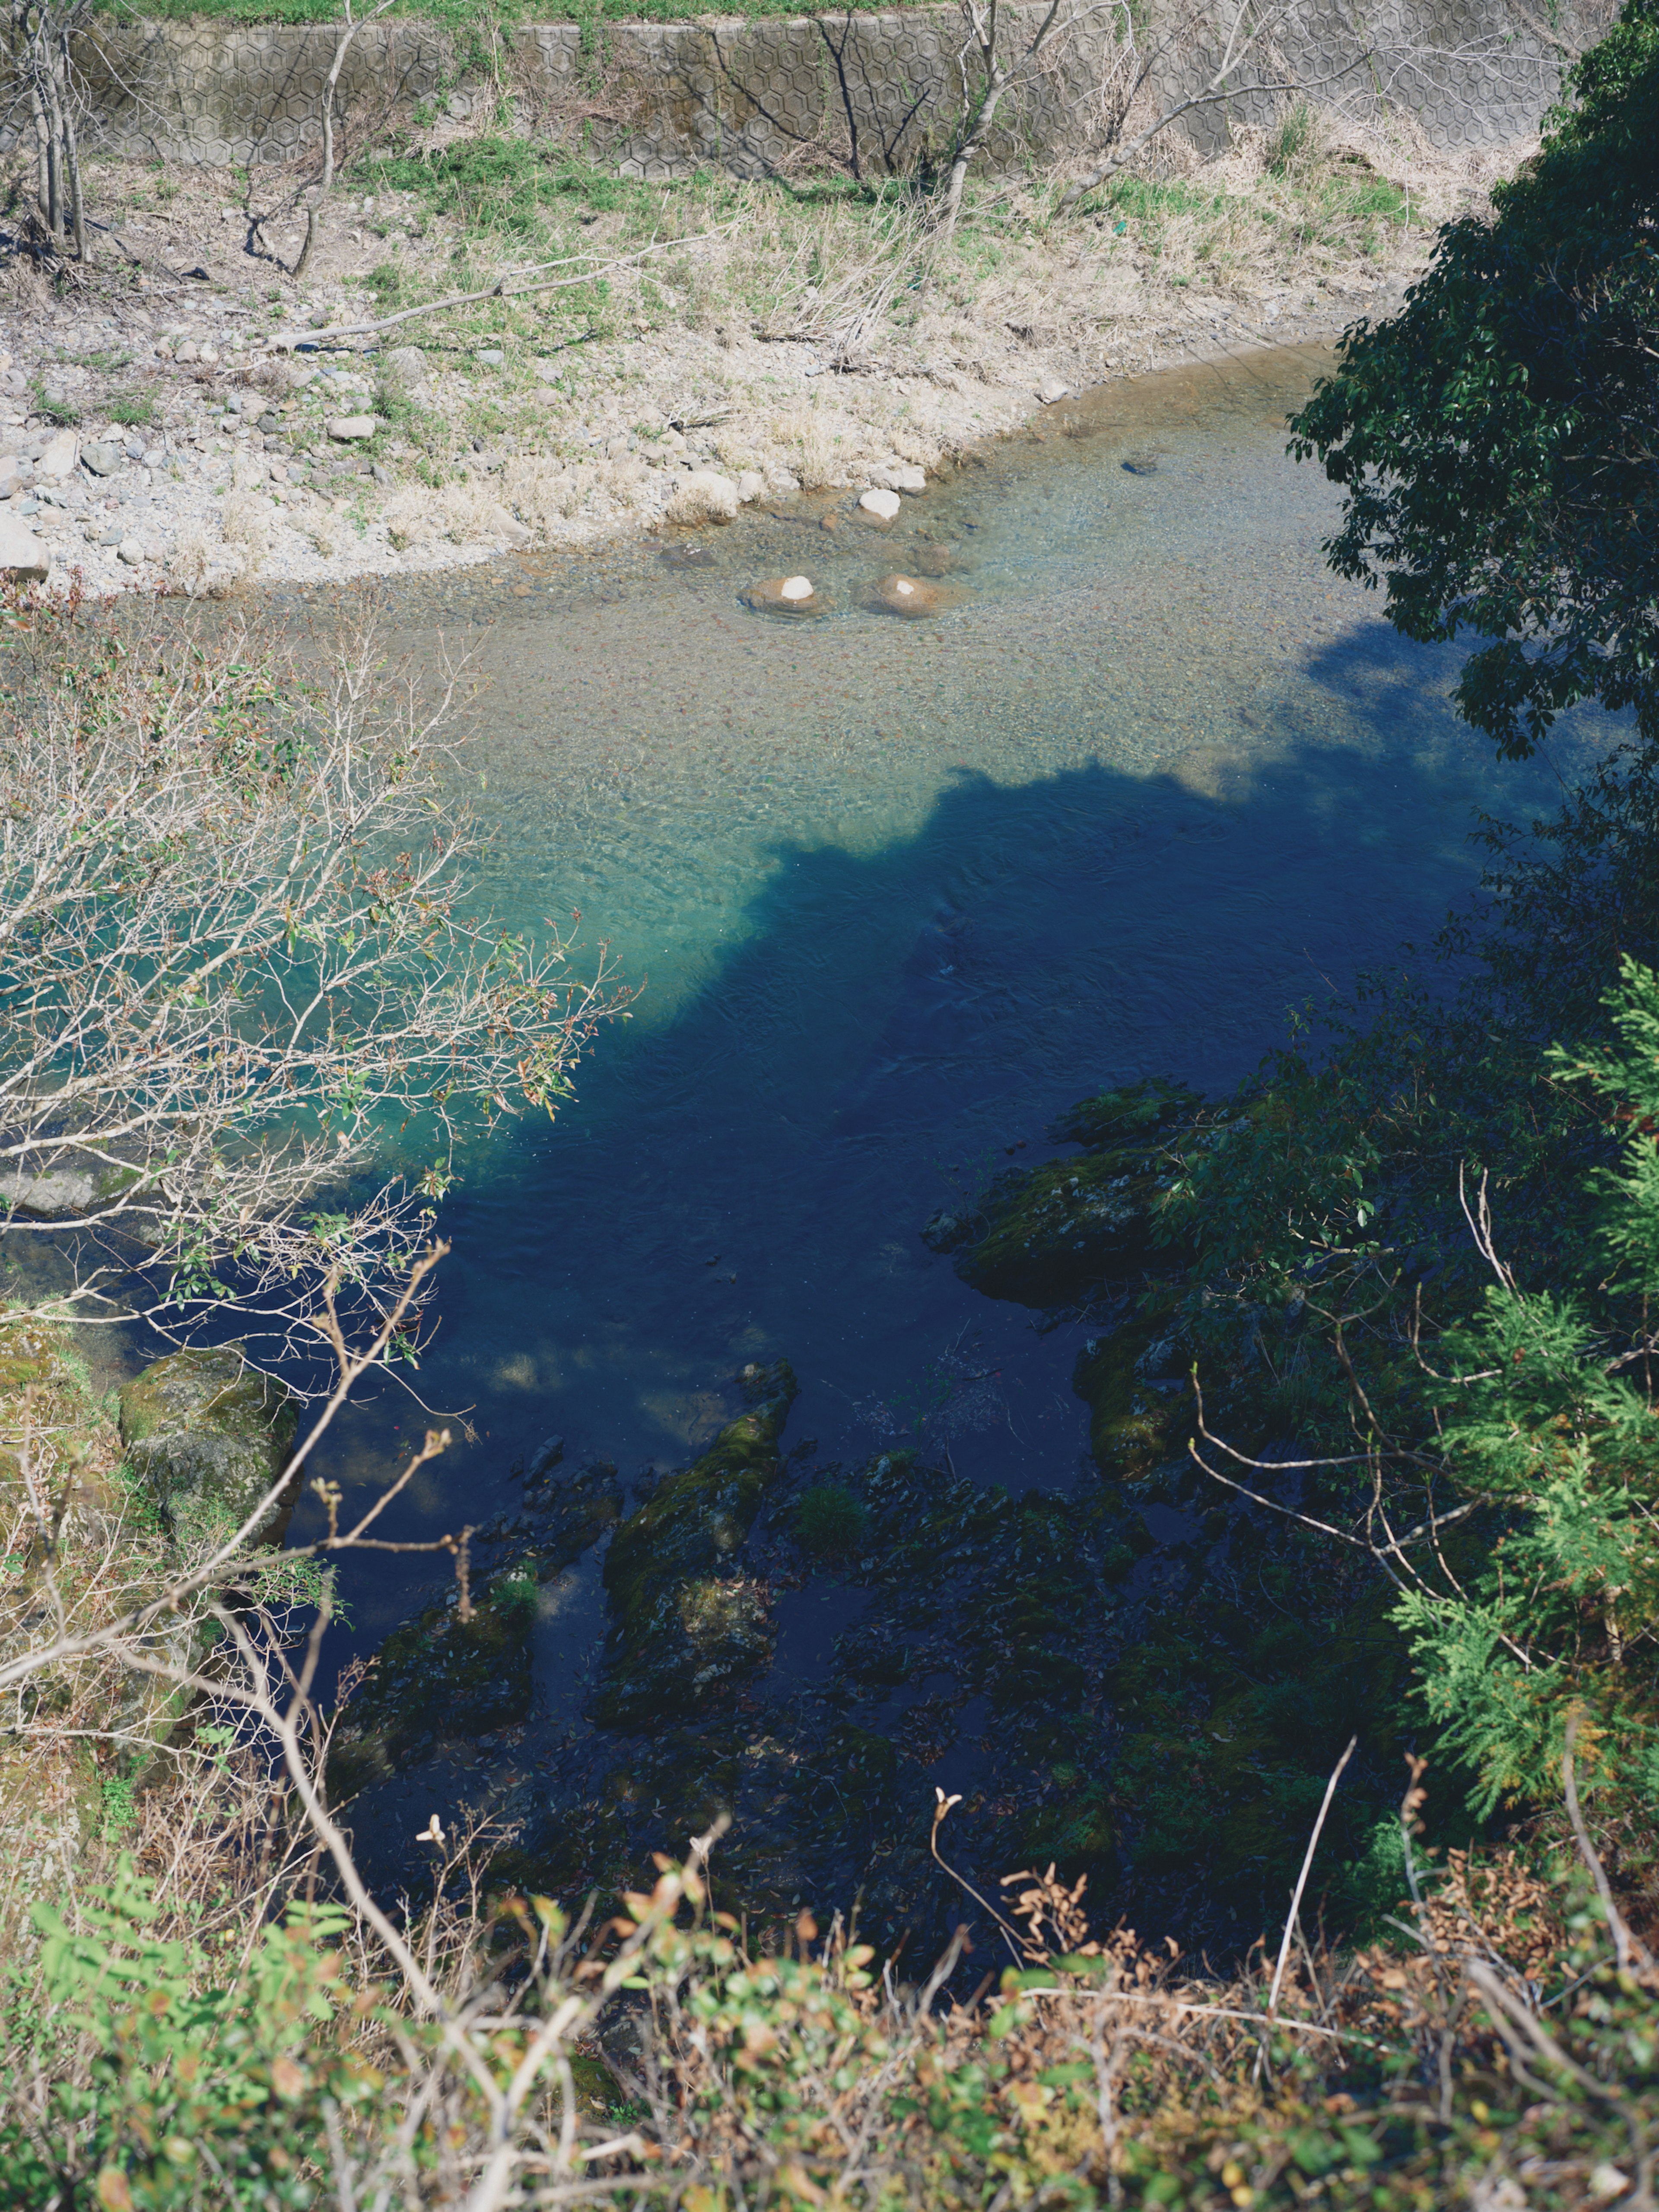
column 867, row 94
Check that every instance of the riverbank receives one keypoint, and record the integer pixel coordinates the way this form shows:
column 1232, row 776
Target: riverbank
column 172, row 427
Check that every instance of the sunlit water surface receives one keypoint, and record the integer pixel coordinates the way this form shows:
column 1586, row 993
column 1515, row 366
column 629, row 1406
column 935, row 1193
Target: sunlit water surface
column 898, row 893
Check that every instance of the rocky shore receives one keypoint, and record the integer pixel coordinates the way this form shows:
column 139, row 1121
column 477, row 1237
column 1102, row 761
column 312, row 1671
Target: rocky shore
column 168, row 433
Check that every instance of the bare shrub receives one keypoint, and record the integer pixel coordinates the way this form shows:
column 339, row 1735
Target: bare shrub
column 245, row 518
column 231, row 955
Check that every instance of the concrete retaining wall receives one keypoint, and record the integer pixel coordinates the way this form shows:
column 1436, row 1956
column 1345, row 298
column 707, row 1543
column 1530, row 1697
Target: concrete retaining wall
column 867, row 94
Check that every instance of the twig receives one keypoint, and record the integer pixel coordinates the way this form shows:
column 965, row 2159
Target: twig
column 1302, row 1879
column 1626, row 1944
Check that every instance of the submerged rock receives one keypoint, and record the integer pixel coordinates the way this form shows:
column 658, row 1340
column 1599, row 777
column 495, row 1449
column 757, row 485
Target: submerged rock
column 441, row 1677
column 787, row 595
column 1047, row 1236
column 909, row 596
column 210, row 1435
column 686, row 1623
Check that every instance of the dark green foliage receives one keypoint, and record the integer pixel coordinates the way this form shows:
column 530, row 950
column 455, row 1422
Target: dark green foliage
column 1553, row 1433
column 830, row 1521
column 1495, row 437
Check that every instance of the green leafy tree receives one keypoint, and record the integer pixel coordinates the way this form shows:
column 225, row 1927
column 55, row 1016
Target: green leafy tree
column 1497, row 438
column 1550, row 1420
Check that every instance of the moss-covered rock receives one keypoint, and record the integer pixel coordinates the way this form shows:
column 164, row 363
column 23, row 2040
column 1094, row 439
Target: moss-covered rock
column 1137, row 1420
column 687, row 1625
column 442, row 1678
column 1047, row 1235
column 209, row 1435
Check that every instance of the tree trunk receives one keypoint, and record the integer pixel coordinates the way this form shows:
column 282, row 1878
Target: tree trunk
column 72, row 157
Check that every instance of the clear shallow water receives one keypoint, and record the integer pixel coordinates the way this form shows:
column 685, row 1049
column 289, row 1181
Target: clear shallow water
column 900, row 892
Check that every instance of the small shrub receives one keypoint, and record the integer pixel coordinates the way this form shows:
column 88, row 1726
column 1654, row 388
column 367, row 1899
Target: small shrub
column 1291, row 142
column 830, row 1521
column 133, row 408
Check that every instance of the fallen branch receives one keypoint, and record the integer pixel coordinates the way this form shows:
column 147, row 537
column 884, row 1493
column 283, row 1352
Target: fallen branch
column 501, row 290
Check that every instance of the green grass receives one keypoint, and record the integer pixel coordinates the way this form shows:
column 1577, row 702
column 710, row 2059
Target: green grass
column 508, row 188
column 131, row 408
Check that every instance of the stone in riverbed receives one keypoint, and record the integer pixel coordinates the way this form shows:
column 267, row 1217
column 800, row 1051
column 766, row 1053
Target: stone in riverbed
column 899, row 476
column 210, row 1436
column 878, row 504
column 907, row 595
column 345, row 427
column 21, row 553
column 130, row 551
column 103, row 458
column 57, row 456
column 1052, row 389
column 788, row 595
column 404, row 368
column 751, row 485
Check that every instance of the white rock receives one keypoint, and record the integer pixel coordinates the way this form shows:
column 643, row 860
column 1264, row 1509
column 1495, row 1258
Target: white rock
column 55, row 1195
column 131, row 551
column 796, row 587
column 22, row 553
column 187, row 350
column 898, row 476
column 345, row 427
column 405, row 366
column 706, row 495
column 884, row 505
column 751, row 484
column 8, row 474
column 59, row 456
column 1052, row 388
column 905, row 588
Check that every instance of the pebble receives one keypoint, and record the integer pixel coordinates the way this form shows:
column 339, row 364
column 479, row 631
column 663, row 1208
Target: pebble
column 1053, row 388
column 405, row 366
column 345, row 427
column 103, row 459
column 906, row 476
column 751, row 485
column 131, row 551
column 880, row 504
column 490, row 357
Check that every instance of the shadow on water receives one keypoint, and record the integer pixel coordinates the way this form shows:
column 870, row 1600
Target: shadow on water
column 749, row 1178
